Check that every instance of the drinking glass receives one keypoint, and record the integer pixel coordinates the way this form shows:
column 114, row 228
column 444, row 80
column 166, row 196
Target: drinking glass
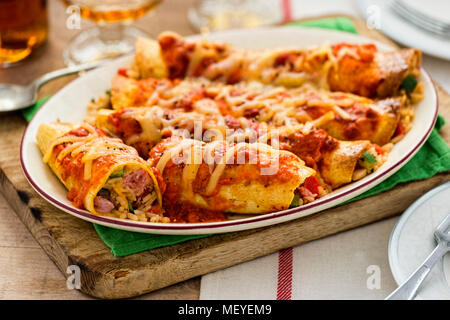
column 23, row 29
column 113, row 34
column 213, row 15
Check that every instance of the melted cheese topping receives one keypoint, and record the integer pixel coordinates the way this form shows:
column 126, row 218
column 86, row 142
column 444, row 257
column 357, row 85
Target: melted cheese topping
column 92, row 146
column 201, row 51
column 198, row 152
column 287, row 130
column 174, row 150
column 277, row 106
column 309, row 65
column 151, row 121
column 154, row 121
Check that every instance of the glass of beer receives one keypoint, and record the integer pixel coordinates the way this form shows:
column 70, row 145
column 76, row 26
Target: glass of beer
column 23, row 29
column 113, row 34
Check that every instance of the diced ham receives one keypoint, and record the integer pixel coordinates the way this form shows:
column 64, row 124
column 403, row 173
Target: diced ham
column 232, row 122
column 251, row 113
column 103, row 205
column 138, row 181
column 307, row 195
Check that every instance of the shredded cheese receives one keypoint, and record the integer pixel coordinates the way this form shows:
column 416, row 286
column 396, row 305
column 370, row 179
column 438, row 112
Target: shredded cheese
column 92, row 146
column 199, row 153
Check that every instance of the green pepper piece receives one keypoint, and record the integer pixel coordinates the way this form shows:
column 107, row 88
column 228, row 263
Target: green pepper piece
column 370, row 158
column 295, row 202
column 409, row 84
column 117, row 174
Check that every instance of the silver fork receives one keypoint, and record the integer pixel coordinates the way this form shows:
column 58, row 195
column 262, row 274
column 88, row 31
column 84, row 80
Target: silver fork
column 14, row 97
column 408, row 290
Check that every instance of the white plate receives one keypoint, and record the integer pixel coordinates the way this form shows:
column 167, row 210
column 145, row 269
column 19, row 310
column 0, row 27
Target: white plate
column 403, row 31
column 412, row 241
column 434, row 10
column 69, row 104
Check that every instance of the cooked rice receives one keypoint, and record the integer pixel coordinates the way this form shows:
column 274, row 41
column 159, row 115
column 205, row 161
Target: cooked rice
column 121, row 196
column 103, row 102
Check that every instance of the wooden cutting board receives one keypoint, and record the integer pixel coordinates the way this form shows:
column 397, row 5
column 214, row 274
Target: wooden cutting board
column 68, row 240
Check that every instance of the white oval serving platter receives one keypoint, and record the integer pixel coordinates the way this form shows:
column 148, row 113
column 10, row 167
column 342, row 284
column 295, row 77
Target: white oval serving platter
column 69, row 104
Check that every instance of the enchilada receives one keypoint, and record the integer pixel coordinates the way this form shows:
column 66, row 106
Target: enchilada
column 205, row 180
column 101, row 174
column 344, row 116
column 335, row 161
column 359, row 69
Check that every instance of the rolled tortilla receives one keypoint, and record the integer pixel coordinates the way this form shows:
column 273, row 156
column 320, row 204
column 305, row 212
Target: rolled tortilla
column 225, row 178
column 102, row 175
column 143, row 129
column 375, row 121
column 338, row 165
column 354, row 68
column 344, row 116
column 335, row 161
column 363, row 70
column 148, row 60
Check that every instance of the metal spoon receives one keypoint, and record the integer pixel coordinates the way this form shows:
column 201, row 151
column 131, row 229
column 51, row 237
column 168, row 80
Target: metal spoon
column 14, row 97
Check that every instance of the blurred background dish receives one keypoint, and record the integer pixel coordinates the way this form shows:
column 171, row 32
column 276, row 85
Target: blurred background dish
column 434, row 10
column 23, row 29
column 412, row 241
column 214, row 15
column 423, row 20
column 403, row 25
column 113, row 35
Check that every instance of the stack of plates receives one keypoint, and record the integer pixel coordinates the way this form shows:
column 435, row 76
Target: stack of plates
column 433, row 16
column 414, row 23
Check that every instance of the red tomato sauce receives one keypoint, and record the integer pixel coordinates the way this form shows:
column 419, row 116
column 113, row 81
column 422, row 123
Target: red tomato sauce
column 186, row 212
column 366, row 52
column 182, row 211
column 73, row 168
column 125, row 127
column 364, row 122
column 175, row 54
column 310, row 147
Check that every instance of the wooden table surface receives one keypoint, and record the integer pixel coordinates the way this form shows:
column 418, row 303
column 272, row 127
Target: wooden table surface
column 26, row 271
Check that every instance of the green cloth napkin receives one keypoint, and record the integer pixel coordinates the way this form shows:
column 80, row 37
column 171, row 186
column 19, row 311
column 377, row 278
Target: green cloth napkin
column 124, row 243
column 432, row 158
column 339, row 23
column 29, row 112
